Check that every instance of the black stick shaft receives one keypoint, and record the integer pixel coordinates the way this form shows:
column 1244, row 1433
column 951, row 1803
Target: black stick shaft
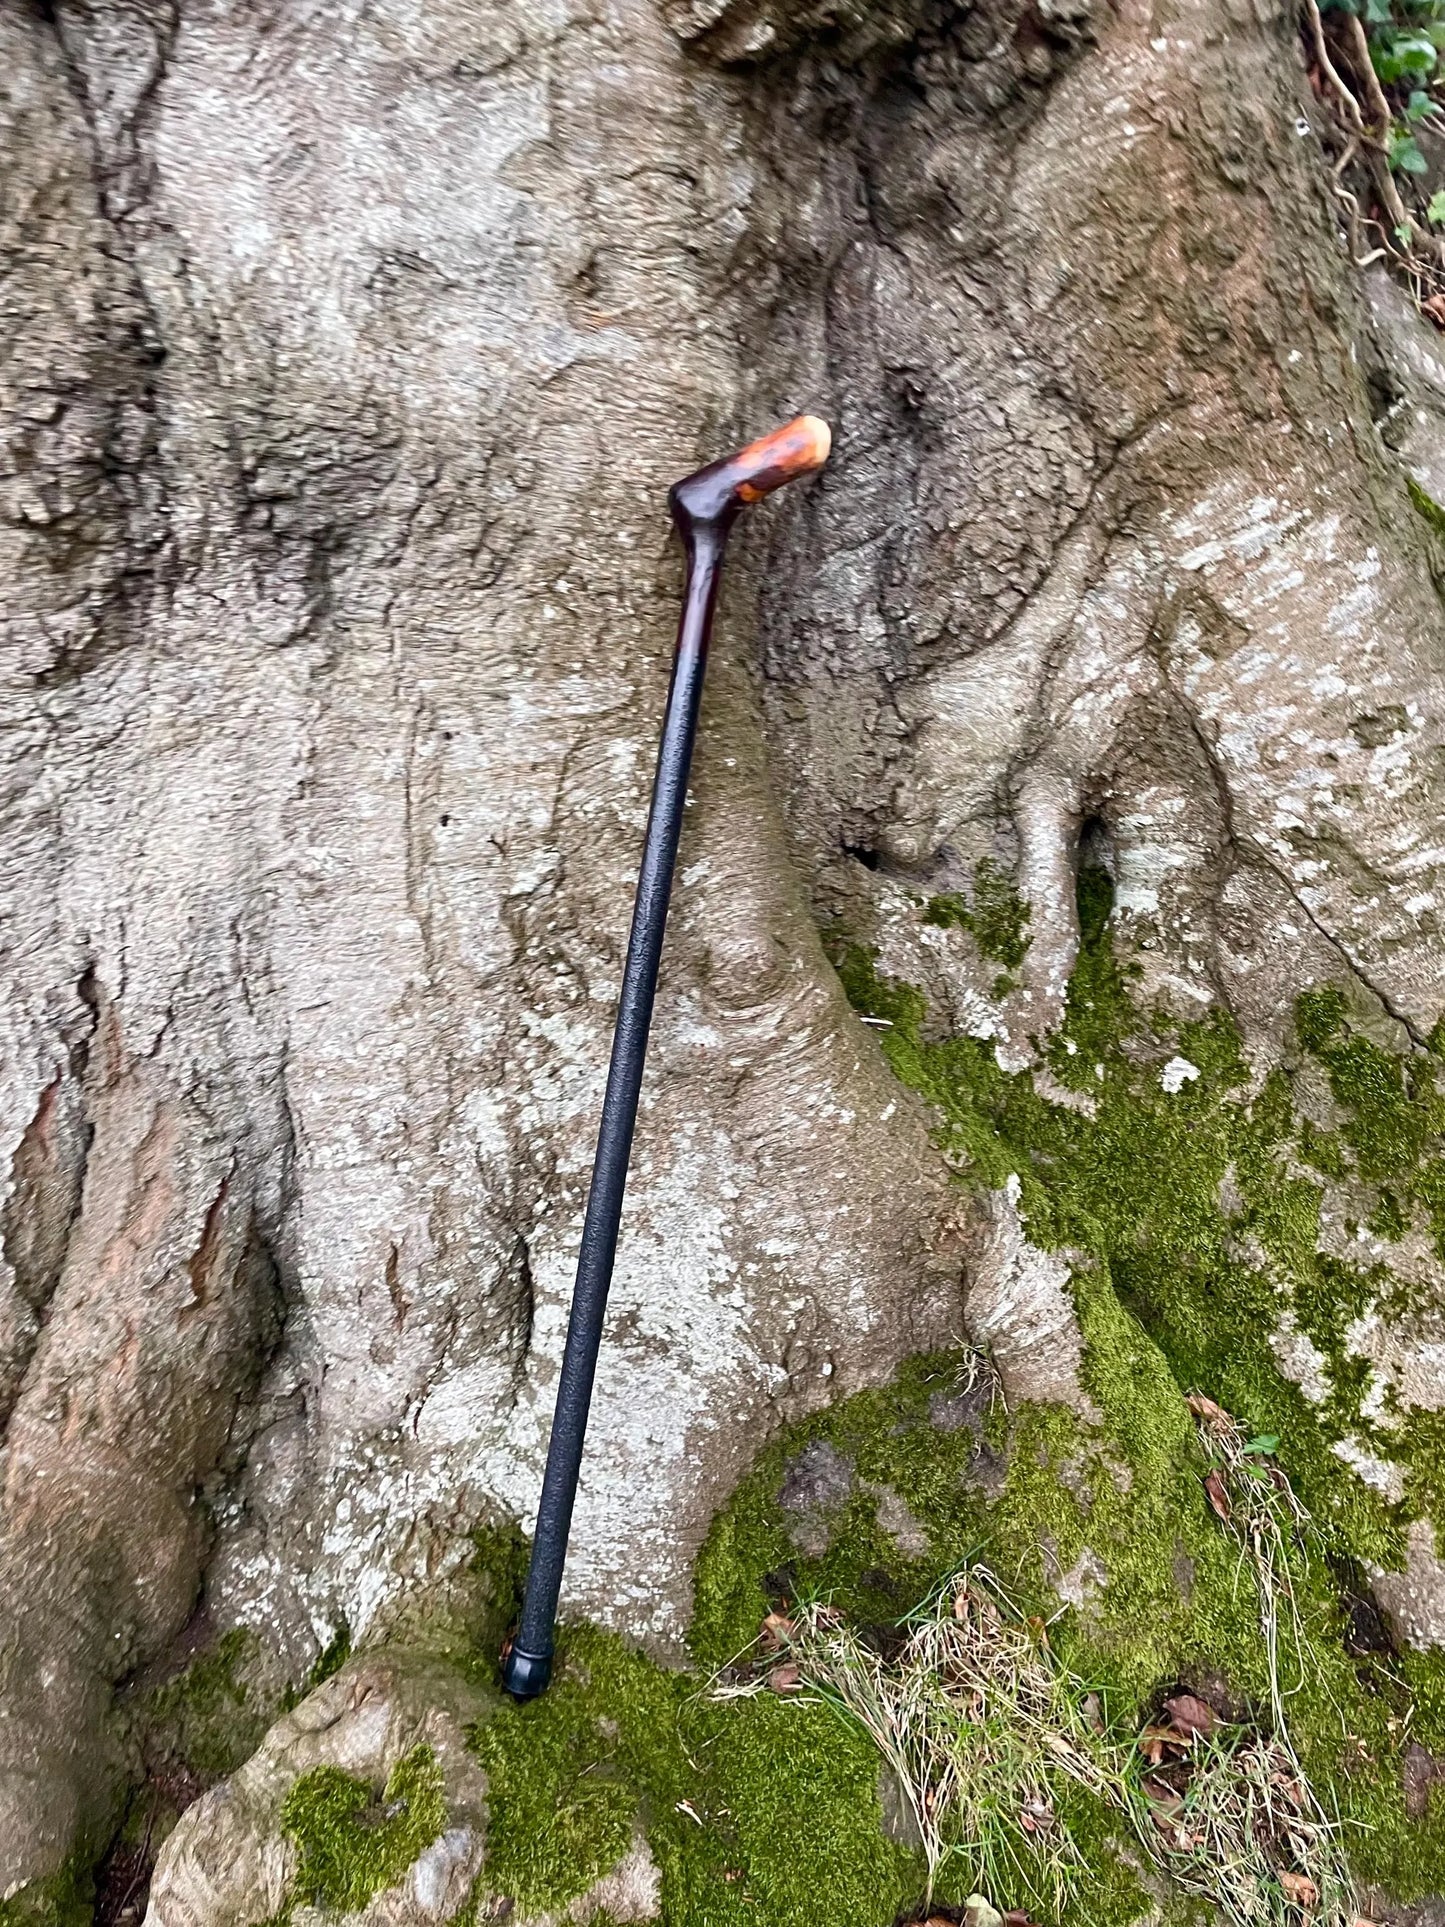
column 527, row 1666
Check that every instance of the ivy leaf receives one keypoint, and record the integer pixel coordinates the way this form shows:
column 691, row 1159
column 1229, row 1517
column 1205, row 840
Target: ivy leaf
column 1417, row 106
column 1377, row 12
column 1406, row 53
column 1435, row 213
column 1264, row 1443
column 1406, row 154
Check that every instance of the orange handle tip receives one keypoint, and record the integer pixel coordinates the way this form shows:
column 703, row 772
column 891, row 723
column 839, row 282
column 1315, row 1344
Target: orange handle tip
column 799, row 447
column 717, row 492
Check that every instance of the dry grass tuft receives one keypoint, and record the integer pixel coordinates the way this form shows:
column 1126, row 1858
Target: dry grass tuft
column 985, row 1732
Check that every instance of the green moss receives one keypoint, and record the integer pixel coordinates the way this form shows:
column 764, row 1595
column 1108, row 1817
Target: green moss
column 352, row 1844
column 499, row 1566
column 1395, row 1122
column 1324, row 1151
column 998, row 916
column 1200, row 1232
column 207, row 1720
column 752, row 1810
column 1192, row 1217
column 329, row 1662
column 1425, row 505
column 1138, row 1185
column 66, row 1899
column 885, row 1436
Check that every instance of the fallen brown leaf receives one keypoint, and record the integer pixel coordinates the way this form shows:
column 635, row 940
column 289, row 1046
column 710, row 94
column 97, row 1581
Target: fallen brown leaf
column 1218, row 1494
column 1154, row 1739
column 1435, row 308
column 1300, row 1889
column 1194, row 1717
column 1093, row 1712
column 1036, row 1817
column 777, row 1630
column 1039, row 1630
column 1206, row 1409
column 1163, row 1797
column 785, row 1679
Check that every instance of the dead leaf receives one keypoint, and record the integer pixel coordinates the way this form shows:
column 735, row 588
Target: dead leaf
column 1163, row 1797
column 1435, row 308
column 960, row 1605
column 1039, row 1630
column 1206, row 1409
column 1093, row 1712
column 777, row 1630
column 785, row 1679
column 1154, row 1739
column 1017, row 1917
column 1036, row 1817
column 1218, row 1494
column 1300, row 1889
column 1194, row 1717
column 979, row 1912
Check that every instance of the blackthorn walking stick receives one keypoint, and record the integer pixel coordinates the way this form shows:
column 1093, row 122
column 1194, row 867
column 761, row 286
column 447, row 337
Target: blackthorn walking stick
column 704, row 507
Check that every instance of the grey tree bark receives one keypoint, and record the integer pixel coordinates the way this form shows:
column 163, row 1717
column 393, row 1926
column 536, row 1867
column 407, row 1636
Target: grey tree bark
column 348, row 353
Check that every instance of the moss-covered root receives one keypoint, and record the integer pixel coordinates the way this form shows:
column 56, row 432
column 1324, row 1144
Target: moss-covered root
column 370, row 1784
column 350, row 1840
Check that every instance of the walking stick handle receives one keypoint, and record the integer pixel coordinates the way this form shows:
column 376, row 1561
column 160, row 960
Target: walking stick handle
column 716, row 493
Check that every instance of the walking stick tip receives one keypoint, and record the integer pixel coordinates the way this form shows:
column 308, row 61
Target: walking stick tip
column 524, row 1674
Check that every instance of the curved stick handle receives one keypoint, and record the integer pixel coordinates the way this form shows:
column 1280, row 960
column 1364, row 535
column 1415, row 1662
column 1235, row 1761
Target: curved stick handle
column 716, row 493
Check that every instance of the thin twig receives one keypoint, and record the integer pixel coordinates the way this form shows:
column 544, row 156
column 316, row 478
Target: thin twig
column 1328, row 69
column 1365, row 67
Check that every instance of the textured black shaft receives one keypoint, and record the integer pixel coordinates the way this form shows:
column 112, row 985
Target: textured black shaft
column 528, row 1664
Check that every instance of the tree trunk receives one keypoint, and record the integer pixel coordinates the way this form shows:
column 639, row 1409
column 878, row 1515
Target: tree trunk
column 349, row 353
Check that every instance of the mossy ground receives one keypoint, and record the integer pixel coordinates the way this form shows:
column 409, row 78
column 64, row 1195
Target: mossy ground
column 1197, row 1211
column 753, row 1811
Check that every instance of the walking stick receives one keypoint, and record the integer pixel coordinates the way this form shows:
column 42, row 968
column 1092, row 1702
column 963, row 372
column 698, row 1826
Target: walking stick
column 703, row 507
